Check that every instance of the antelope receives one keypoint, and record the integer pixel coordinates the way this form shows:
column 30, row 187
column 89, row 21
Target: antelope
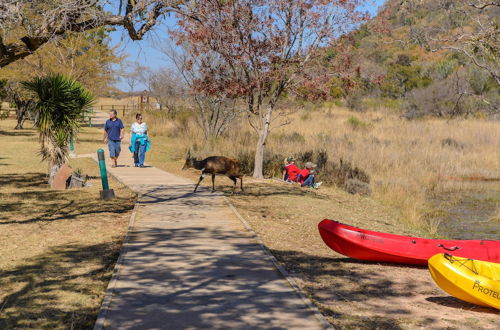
column 215, row 165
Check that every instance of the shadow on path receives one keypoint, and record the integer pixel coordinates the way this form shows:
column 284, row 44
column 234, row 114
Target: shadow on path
column 190, row 264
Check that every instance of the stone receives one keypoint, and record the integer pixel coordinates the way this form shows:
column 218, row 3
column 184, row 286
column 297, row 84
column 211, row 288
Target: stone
column 60, row 179
column 77, row 180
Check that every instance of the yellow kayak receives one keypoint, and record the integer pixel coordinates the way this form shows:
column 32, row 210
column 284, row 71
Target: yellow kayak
column 474, row 281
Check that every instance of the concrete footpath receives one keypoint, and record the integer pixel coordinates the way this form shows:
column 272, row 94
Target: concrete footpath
column 189, row 263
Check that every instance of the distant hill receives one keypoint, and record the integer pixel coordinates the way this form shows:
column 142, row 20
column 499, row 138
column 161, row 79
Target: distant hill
column 394, row 60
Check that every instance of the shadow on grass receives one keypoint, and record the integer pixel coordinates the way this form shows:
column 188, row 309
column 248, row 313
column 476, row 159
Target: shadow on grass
column 332, row 282
column 25, row 180
column 17, row 133
column 64, row 209
column 85, row 140
column 56, row 289
column 46, row 205
column 453, row 302
column 267, row 189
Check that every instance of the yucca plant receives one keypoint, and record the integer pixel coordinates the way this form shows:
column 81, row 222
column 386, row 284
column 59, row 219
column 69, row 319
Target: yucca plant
column 61, row 102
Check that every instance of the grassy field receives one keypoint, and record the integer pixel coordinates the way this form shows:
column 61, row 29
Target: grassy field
column 58, row 248
column 352, row 294
column 411, row 164
column 70, row 269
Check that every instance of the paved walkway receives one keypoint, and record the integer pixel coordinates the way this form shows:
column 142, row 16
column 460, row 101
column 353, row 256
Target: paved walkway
column 190, row 263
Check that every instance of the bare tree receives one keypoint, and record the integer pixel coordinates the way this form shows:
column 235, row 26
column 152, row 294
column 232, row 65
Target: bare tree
column 477, row 33
column 262, row 48
column 26, row 25
column 166, row 86
column 22, row 99
column 214, row 111
column 132, row 74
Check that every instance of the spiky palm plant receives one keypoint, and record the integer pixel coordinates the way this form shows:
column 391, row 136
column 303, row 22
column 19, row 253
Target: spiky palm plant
column 60, row 104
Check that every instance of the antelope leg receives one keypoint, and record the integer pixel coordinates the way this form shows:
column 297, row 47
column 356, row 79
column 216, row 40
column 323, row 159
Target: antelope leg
column 202, row 176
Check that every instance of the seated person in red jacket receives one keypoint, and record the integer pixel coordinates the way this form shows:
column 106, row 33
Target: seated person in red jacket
column 291, row 170
column 306, row 176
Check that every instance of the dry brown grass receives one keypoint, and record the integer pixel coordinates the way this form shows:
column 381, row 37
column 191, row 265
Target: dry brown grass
column 351, row 294
column 58, row 248
column 406, row 160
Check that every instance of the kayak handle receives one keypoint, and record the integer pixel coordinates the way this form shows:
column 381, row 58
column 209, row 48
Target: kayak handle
column 450, row 248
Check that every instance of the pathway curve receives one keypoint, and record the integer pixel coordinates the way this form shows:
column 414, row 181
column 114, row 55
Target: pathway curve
column 189, row 263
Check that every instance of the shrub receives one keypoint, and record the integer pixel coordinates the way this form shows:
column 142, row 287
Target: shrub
column 356, row 123
column 354, row 101
column 330, row 172
column 354, row 186
column 443, row 98
column 444, row 68
column 273, row 163
column 449, row 142
column 305, row 116
column 339, row 173
column 401, row 79
column 246, row 159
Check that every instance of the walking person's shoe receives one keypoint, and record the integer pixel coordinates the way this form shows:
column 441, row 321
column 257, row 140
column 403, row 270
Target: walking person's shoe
column 142, row 166
column 317, row 184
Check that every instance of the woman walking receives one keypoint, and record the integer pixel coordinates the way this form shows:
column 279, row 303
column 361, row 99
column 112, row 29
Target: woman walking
column 139, row 142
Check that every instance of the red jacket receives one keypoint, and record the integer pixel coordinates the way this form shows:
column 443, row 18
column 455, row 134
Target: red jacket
column 292, row 172
column 305, row 173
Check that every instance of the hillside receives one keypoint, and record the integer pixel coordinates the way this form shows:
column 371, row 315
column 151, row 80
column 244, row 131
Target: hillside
column 397, row 60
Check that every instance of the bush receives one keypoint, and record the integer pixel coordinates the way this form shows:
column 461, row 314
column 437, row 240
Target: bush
column 401, row 79
column 356, row 123
column 449, row 142
column 354, row 186
column 273, row 163
column 442, row 99
column 331, row 172
column 342, row 174
column 354, row 101
column 339, row 173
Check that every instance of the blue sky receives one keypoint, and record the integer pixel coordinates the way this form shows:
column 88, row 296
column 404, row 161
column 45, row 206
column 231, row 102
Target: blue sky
column 144, row 53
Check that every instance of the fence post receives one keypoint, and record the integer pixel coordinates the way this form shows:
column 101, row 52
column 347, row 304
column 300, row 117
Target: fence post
column 72, row 148
column 106, row 193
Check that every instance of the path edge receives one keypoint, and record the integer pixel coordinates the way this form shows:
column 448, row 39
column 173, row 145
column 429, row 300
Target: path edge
column 291, row 279
column 108, row 296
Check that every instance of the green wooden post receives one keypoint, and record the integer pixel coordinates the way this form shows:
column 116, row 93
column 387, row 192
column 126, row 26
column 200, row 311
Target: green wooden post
column 71, row 145
column 106, row 193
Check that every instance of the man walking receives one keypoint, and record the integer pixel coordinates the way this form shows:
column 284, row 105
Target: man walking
column 113, row 135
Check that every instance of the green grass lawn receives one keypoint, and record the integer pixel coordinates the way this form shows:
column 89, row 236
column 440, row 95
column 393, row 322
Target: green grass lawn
column 58, row 248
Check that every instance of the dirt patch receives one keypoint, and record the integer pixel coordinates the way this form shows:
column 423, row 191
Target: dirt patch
column 351, row 294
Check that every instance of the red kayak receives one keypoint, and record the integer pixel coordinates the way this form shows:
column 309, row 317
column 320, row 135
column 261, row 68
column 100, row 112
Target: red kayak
column 370, row 245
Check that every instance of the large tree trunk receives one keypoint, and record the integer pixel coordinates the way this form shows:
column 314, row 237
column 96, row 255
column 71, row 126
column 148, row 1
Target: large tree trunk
column 258, row 170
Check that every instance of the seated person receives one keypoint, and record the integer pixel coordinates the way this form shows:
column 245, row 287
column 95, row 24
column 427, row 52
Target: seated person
column 306, row 176
column 291, row 170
